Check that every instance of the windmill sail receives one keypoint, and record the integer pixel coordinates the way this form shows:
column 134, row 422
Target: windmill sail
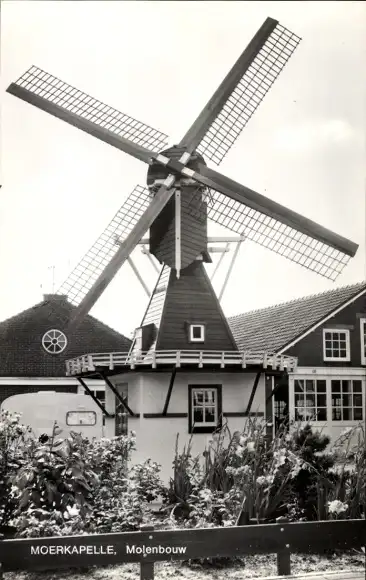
column 248, row 94
column 271, row 233
column 61, row 100
column 88, row 270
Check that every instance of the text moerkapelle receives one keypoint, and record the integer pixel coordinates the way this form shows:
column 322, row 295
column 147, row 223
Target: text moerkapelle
column 44, row 550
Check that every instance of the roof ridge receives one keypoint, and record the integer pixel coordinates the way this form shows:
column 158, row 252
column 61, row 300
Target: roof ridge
column 363, row 283
column 34, row 307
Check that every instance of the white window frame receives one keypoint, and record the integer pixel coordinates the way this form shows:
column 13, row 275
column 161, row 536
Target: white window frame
column 308, row 395
column 351, row 392
column 215, row 404
column 203, row 332
column 328, row 374
column 362, row 338
column 346, row 358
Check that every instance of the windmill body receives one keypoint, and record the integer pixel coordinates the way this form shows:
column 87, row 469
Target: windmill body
column 183, row 363
column 179, row 235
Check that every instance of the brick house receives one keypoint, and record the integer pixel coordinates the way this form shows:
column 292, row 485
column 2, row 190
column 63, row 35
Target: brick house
column 33, row 349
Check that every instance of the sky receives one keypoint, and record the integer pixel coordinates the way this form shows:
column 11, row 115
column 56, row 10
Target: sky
column 160, row 62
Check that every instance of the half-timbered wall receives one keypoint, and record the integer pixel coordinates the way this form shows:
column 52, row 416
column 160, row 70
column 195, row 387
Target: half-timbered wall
column 156, row 436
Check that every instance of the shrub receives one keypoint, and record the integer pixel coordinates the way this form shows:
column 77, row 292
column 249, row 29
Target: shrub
column 12, row 441
column 74, row 486
column 345, row 494
column 120, row 500
column 292, row 475
column 54, row 478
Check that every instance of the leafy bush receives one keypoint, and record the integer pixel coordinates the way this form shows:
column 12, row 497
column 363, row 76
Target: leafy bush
column 120, row 500
column 12, row 437
column 54, row 478
column 345, row 493
column 245, row 473
column 55, row 486
column 71, row 486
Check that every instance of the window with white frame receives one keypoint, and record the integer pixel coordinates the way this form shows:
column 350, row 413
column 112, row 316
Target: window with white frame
column 347, row 400
column 363, row 340
column 336, row 345
column 310, row 399
column 205, row 408
column 197, row 332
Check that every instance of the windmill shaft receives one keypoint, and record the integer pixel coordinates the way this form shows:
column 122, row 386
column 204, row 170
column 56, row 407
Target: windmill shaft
column 178, row 227
column 244, row 195
column 127, row 246
column 117, row 141
column 197, row 131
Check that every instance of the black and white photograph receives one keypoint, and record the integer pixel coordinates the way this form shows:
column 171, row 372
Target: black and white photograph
column 183, row 290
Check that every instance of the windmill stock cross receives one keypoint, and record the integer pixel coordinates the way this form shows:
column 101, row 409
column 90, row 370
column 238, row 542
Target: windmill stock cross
column 183, row 192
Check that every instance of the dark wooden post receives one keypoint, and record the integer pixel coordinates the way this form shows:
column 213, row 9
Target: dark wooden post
column 1, row 565
column 146, row 568
column 283, row 555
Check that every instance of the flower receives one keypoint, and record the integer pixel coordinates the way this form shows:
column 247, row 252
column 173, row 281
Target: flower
column 205, row 494
column 251, row 446
column 261, row 480
column 337, row 507
column 239, row 451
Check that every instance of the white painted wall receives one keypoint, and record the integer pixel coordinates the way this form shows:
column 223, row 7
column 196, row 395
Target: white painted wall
column 156, row 437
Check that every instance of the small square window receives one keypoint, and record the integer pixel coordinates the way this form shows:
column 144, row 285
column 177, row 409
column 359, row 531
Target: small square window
column 336, row 345
column 204, row 408
column 196, row 333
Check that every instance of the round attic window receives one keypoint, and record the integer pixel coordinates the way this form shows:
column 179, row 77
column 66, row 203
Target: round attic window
column 54, row 341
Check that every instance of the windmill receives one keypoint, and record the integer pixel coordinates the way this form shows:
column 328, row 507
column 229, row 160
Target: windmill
column 182, row 191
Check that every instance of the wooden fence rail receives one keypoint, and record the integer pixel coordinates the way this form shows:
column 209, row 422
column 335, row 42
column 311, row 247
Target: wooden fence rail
column 148, row 546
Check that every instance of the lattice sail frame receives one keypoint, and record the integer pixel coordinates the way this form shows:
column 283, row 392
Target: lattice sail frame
column 88, row 270
column 248, row 94
column 276, row 236
column 67, row 97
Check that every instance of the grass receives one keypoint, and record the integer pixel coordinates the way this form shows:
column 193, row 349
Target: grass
column 250, row 567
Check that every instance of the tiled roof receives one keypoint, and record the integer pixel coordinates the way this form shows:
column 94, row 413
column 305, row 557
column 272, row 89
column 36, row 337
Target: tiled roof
column 274, row 327
column 21, row 351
